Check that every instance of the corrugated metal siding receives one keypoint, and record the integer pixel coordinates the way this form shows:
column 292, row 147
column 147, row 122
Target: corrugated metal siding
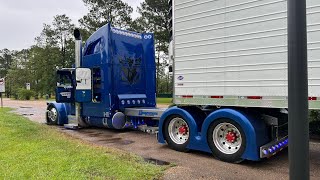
column 237, row 47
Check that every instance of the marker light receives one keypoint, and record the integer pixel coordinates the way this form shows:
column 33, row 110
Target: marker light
column 270, row 150
column 265, row 152
column 133, row 102
column 277, row 146
column 128, row 101
column 123, row 102
column 143, row 101
column 138, row 101
column 273, row 148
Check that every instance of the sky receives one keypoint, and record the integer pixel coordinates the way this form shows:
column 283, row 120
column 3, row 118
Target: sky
column 22, row 20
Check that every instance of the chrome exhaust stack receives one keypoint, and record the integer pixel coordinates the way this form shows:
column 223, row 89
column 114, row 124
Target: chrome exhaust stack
column 78, row 47
column 78, row 57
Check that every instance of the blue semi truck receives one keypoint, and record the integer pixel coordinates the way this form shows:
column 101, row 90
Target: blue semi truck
column 113, row 85
column 229, row 71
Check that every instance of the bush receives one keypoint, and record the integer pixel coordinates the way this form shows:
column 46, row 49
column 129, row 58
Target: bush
column 315, row 127
column 14, row 93
column 314, row 117
column 24, row 94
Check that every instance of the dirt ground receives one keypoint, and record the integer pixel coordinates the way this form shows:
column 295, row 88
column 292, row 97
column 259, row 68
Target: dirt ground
column 191, row 165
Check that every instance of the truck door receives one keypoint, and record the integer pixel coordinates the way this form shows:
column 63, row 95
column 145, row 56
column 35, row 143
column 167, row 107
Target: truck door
column 65, row 86
column 84, row 85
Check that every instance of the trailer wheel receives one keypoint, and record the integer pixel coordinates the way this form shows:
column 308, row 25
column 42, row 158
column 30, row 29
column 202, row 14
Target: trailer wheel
column 52, row 116
column 177, row 133
column 226, row 140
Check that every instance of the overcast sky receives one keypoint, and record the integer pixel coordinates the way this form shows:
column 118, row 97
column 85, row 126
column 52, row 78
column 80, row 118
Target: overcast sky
column 22, row 20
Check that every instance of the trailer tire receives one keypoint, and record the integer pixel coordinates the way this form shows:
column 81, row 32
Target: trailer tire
column 52, row 115
column 226, row 140
column 177, row 133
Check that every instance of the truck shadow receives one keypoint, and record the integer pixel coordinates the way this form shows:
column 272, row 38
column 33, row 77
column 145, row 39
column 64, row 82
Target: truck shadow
column 118, row 138
column 100, row 135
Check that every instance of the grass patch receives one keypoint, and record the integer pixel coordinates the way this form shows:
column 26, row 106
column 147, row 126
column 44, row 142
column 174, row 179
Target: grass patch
column 33, row 151
column 164, row 100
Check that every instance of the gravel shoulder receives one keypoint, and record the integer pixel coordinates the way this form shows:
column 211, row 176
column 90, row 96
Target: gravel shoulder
column 191, row 165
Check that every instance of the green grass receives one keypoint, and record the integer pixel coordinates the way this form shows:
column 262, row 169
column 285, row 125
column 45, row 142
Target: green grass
column 164, row 100
column 34, row 151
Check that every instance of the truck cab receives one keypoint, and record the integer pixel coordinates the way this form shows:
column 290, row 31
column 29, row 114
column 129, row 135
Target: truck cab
column 115, row 70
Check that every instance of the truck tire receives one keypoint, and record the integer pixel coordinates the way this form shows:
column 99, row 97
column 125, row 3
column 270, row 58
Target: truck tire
column 52, row 116
column 177, row 133
column 226, row 140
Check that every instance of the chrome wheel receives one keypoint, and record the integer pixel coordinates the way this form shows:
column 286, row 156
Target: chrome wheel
column 53, row 114
column 178, row 130
column 227, row 138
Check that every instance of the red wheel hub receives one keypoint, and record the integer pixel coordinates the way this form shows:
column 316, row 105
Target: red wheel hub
column 183, row 130
column 231, row 137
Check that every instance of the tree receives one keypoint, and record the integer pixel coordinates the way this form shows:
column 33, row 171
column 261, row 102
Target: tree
column 43, row 64
column 18, row 72
column 155, row 18
column 64, row 28
column 5, row 64
column 103, row 11
column 59, row 35
column 5, row 61
column 54, row 49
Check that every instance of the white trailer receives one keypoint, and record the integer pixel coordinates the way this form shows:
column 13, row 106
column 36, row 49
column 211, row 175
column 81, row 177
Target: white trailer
column 234, row 52
column 230, row 62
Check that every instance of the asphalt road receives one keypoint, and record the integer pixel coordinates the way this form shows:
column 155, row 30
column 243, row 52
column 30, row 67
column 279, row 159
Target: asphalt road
column 191, row 165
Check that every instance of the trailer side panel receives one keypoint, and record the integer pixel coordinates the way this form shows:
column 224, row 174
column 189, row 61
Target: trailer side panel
column 234, row 52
